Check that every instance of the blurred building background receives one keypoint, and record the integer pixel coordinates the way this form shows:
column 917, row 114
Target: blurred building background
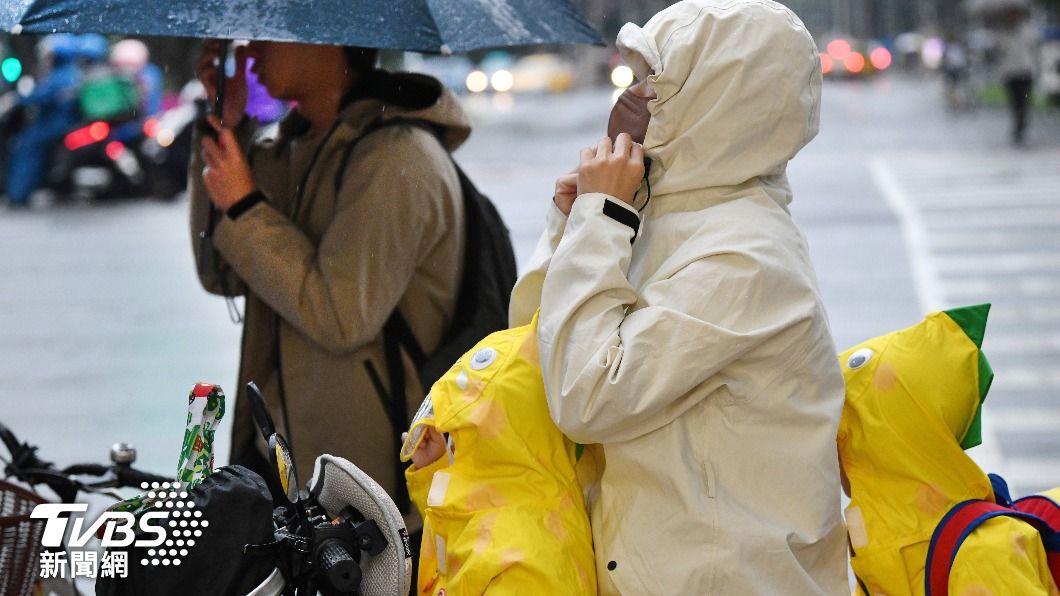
column 879, row 19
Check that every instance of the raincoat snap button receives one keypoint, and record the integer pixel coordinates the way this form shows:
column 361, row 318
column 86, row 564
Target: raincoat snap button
column 483, row 358
column 611, row 565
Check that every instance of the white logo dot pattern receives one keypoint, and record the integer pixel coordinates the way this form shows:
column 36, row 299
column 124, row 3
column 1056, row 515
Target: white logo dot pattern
column 177, row 505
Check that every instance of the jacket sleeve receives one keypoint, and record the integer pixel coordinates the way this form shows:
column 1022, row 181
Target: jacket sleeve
column 419, row 482
column 612, row 373
column 526, row 295
column 215, row 274
column 340, row 290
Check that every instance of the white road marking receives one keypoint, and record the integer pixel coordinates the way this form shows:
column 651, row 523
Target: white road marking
column 1022, row 343
column 964, row 199
column 1036, row 472
column 988, row 455
column 994, row 263
column 989, row 288
column 1031, row 217
column 1015, row 378
column 915, row 233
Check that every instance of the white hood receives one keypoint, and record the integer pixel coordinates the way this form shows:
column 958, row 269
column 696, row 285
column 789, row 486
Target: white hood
column 738, row 93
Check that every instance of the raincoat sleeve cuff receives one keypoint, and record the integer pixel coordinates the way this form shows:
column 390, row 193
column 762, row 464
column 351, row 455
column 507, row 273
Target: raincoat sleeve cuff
column 555, row 224
column 591, row 205
column 419, row 481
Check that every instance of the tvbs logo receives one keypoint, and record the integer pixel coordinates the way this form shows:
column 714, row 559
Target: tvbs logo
column 119, row 527
column 171, row 522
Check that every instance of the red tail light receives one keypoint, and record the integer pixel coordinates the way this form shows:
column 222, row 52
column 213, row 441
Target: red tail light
column 826, row 63
column 84, row 136
column 839, row 49
column 151, row 127
column 98, row 130
column 880, row 58
column 115, row 149
column 855, row 63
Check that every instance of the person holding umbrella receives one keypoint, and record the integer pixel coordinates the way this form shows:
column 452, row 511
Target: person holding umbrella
column 325, row 225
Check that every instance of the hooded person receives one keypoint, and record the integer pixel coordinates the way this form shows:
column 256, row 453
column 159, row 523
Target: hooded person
column 914, row 404
column 681, row 331
column 503, row 513
column 325, row 226
column 56, row 103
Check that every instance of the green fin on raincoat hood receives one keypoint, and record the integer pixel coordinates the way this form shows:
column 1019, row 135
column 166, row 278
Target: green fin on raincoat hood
column 972, row 320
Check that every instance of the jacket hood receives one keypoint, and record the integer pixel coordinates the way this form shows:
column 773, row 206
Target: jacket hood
column 739, row 89
column 913, row 404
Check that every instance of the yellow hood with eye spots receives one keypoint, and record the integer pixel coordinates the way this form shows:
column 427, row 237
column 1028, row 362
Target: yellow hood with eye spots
column 503, row 509
column 913, row 404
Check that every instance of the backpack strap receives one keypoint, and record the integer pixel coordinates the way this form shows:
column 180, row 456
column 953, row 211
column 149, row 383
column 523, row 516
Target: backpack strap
column 1048, row 511
column 396, row 333
column 1040, row 506
column 955, row 528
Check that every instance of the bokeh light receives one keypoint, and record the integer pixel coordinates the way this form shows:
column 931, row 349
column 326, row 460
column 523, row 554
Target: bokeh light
column 477, row 81
column 11, row 69
column 622, row 76
column 839, row 49
column 880, row 58
column 855, row 63
column 502, row 81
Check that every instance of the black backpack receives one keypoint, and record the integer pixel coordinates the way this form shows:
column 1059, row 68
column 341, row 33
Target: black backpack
column 489, row 273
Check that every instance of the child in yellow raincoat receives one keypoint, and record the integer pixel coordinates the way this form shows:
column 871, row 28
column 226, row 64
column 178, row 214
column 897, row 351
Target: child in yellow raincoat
column 503, row 511
column 913, row 405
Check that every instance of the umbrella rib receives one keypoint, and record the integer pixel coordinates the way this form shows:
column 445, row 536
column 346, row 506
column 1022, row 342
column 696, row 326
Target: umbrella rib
column 444, row 48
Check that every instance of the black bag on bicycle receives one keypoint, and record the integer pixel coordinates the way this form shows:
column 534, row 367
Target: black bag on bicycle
column 237, row 508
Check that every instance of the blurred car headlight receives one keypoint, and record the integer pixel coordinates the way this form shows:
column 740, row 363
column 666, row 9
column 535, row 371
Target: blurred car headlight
column 502, row 81
column 477, row 81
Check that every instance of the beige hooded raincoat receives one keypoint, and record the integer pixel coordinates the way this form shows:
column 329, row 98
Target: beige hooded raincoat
column 323, row 266
column 695, row 354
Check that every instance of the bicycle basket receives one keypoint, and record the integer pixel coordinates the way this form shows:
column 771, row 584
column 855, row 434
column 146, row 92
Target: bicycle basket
column 19, row 538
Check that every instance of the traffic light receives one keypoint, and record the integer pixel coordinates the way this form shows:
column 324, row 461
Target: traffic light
column 11, row 69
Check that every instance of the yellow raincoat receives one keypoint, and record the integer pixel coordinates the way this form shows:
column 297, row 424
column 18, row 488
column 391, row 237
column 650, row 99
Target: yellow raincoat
column 913, row 405
column 503, row 513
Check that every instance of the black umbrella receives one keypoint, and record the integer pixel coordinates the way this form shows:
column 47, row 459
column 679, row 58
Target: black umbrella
column 436, row 26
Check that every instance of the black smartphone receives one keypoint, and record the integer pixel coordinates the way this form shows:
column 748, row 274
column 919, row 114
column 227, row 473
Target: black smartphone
column 217, row 101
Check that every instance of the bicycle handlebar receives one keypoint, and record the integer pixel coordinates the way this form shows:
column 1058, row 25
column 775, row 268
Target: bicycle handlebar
column 338, row 566
column 133, row 478
column 27, row 467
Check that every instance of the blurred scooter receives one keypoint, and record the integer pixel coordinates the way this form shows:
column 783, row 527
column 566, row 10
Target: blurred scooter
column 99, row 161
column 12, row 118
column 166, row 147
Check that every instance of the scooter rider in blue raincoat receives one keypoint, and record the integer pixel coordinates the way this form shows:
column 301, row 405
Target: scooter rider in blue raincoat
column 55, row 98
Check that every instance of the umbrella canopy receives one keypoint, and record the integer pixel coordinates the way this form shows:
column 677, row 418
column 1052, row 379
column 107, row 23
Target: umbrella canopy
column 436, row 26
